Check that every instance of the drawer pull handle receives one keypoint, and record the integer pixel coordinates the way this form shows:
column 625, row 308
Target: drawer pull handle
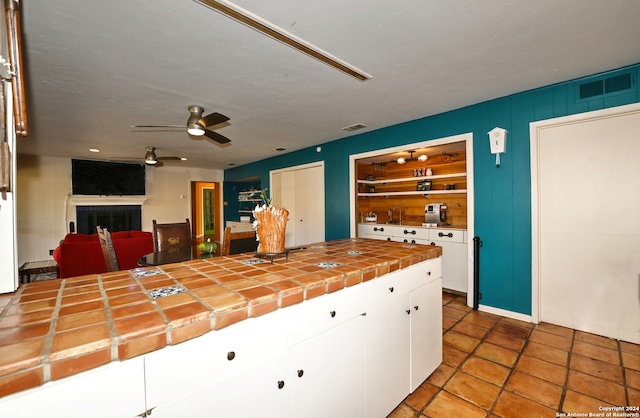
column 333, row 314
column 300, row 373
column 428, row 273
column 433, row 243
column 280, row 384
column 391, row 289
column 415, row 307
column 450, row 234
column 410, row 232
column 375, row 228
column 231, row 355
column 408, row 311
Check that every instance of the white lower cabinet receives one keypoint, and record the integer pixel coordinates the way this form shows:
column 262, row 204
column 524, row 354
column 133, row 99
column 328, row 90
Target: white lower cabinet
column 113, row 390
column 252, row 391
column 454, row 257
column 426, row 331
column 326, row 373
column 386, row 354
column 320, row 377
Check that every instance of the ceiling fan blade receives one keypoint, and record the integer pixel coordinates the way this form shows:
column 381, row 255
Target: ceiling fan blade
column 169, row 158
column 158, row 164
column 159, row 126
column 216, row 137
column 213, row 119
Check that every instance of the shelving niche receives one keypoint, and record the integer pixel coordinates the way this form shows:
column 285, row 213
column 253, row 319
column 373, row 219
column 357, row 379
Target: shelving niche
column 395, row 185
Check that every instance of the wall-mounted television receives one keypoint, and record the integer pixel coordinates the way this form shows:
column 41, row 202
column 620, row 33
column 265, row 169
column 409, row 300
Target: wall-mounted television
column 101, row 178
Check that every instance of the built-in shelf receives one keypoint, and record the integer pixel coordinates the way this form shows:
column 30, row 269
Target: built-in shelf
column 406, row 179
column 423, row 192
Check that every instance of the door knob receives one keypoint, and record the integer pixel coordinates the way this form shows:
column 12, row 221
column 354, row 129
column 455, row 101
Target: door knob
column 280, row 384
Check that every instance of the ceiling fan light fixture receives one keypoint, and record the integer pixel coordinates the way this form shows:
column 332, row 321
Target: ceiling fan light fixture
column 195, row 129
column 150, row 157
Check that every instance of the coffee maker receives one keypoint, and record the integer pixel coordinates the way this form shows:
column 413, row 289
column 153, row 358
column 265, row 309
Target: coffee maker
column 435, row 214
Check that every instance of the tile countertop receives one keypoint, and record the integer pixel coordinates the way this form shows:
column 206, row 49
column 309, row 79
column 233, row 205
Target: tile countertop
column 53, row 329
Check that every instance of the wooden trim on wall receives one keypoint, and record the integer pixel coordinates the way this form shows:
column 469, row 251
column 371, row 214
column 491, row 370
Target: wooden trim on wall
column 14, row 38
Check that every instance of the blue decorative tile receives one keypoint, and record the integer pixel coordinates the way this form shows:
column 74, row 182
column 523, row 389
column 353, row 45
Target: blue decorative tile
column 166, row 291
column 355, row 252
column 146, row 273
column 327, row 264
column 253, row 261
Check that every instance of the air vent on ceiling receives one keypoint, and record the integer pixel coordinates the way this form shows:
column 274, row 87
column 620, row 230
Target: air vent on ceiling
column 354, row 127
column 603, row 86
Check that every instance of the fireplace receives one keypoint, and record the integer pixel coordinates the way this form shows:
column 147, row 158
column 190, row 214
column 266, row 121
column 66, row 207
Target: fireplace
column 113, row 217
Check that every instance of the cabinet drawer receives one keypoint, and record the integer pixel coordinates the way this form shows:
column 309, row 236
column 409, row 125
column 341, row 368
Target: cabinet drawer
column 450, row 235
column 423, row 273
column 374, row 229
column 410, row 233
column 381, row 290
column 315, row 316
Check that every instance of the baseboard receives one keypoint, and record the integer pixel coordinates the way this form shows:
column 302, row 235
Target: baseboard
column 505, row 313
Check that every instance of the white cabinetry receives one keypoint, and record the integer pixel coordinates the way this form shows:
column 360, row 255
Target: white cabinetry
column 454, row 257
column 114, row 390
column 356, row 352
column 453, row 242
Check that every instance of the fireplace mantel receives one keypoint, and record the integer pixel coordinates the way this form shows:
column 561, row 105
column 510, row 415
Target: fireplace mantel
column 84, row 200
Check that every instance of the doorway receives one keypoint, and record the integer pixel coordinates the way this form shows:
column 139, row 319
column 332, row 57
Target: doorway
column 585, row 226
column 206, row 211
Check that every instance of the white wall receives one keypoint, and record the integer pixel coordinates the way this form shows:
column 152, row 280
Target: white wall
column 44, row 209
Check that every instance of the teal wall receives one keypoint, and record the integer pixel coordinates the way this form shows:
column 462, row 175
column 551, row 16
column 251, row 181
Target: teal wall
column 502, row 195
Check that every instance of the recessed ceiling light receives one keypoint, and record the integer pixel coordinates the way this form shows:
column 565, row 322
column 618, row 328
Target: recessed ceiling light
column 94, row 150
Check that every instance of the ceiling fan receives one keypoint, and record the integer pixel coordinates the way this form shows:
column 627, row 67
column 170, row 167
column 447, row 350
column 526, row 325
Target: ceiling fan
column 197, row 125
column 150, row 158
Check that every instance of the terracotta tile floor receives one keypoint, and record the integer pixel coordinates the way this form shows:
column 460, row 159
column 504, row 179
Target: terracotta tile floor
column 500, row 367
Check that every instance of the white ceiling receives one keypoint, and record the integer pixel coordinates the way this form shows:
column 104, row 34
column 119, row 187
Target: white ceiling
column 94, row 68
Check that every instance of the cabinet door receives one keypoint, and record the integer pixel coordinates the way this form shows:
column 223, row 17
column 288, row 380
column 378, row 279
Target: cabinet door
column 454, row 265
column 258, row 390
column 426, row 331
column 177, row 370
column 327, row 373
column 386, row 356
column 113, row 390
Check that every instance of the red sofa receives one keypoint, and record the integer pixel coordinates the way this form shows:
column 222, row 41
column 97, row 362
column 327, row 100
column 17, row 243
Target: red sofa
column 80, row 254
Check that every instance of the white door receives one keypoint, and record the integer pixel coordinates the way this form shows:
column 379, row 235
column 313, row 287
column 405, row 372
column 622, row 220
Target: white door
column 586, row 222
column 301, row 191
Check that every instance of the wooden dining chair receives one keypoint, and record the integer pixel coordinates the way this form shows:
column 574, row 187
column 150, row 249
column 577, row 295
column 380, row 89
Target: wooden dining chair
column 238, row 242
column 108, row 251
column 172, row 235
